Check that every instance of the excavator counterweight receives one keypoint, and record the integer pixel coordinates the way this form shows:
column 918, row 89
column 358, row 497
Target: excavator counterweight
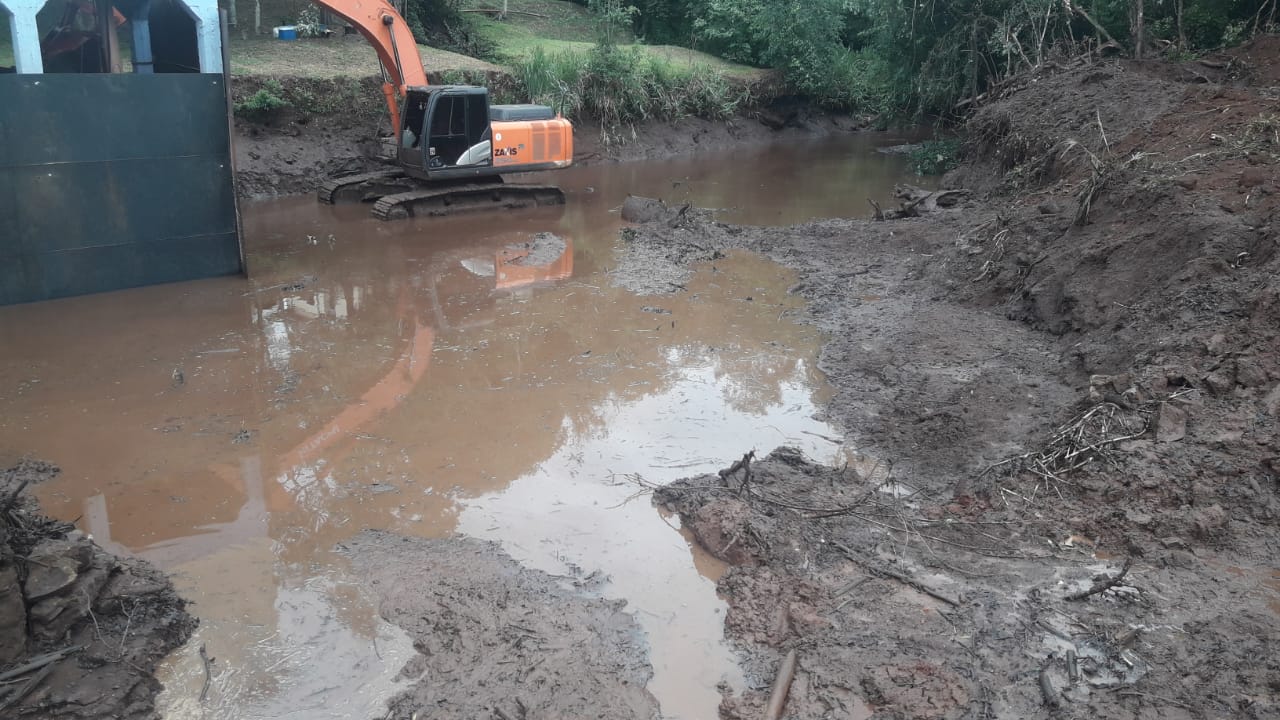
column 452, row 146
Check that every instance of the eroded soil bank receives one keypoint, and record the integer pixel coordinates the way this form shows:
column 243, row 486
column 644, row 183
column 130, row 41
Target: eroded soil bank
column 1065, row 399
column 81, row 631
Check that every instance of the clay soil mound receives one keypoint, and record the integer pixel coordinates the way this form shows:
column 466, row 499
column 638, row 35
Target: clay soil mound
column 498, row 640
column 81, row 631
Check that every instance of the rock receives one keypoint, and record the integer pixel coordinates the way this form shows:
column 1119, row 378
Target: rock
column 50, row 577
column 1250, row 373
column 1171, row 425
column 53, row 616
column 1107, row 384
column 1271, row 403
column 1138, row 518
column 1186, row 183
column 1174, row 543
column 1216, row 345
column 1210, row 521
column 55, row 565
column 13, row 612
column 1220, row 382
column 1252, row 177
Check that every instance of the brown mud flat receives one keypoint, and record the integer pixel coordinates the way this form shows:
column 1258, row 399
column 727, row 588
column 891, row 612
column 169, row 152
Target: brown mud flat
column 338, row 127
column 81, row 631
column 496, row 639
column 1064, row 397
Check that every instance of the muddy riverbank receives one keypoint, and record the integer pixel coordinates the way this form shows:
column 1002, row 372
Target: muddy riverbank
column 1065, row 400
column 1038, row 478
column 339, row 126
column 81, row 631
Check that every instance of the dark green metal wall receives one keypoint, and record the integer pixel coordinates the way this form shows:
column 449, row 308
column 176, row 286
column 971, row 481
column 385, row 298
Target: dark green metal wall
column 113, row 181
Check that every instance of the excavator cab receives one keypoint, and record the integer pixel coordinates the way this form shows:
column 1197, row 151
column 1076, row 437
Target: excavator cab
column 452, row 132
column 446, row 132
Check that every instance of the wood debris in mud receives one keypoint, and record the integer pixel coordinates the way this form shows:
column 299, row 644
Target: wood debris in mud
column 875, row 569
column 917, row 201
column 1101, row 586
column 781, row 686
column 1085, row 438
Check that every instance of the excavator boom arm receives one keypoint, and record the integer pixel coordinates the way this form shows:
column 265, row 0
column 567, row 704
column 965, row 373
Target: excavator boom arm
column 392, row 40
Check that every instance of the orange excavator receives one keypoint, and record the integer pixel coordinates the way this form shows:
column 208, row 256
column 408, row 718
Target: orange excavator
column 452, row 145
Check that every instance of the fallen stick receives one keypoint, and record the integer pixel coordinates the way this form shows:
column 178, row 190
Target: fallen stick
column 1105, row 585
column 208, row 674
column 39, row 662
column 1047, row 691
column 738, row 465
column 909, row 582
column 28, row 687
column 876, row 206
column 781, row 685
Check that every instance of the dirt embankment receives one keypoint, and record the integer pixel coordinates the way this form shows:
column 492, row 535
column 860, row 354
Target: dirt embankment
column 1066, row 396
column 338, row 126
column 81, row 631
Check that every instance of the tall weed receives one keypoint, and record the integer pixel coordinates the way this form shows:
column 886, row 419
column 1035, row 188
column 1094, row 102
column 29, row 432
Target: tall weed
column 620, row 86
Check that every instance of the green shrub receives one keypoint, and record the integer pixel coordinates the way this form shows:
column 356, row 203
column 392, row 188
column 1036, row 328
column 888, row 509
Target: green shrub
column 935, row 157
column 264, row 104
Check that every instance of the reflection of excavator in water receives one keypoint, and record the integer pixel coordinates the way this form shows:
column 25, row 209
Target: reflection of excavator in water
column 452, row 145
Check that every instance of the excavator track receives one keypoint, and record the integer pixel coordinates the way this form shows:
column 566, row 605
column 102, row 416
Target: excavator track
column 364, row 187
column 450, row 199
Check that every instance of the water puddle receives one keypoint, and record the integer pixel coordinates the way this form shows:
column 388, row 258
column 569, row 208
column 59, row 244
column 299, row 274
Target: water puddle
column 463, row 375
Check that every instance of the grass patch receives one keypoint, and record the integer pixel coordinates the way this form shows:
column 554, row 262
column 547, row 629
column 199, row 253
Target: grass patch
column 568, row 27
column 330, row 58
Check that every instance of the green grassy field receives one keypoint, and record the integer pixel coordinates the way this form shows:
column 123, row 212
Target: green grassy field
column 330, row 57
column 554, row 26
column 558, row 25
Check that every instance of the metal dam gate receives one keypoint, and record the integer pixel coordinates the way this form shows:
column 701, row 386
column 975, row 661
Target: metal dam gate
column 110, row 181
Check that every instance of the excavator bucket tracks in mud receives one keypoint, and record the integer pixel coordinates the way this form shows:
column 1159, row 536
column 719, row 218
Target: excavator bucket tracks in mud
column 395, row 195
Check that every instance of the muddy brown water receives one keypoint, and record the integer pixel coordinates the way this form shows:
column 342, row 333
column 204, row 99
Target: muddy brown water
column 428, row 377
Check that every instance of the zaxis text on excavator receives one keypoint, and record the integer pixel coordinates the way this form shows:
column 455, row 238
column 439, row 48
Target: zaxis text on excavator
column 452, row 146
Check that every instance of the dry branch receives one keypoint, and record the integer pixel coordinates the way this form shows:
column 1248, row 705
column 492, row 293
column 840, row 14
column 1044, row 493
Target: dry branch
column 1105, row 585
column 39, row 662
column 1088, row 436
column 27, row 687
column 208, row 673
column 781, row 685
column 885, row 572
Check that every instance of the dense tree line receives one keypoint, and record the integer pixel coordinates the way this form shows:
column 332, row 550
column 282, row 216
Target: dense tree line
column 925, row 56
